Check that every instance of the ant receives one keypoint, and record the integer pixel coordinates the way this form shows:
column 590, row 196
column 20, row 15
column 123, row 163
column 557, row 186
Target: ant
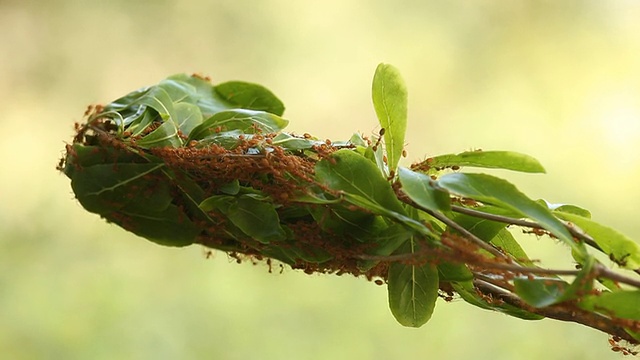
column 381, row 133
column 622, row 261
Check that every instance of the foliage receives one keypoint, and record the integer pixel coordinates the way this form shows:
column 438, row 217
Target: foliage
column 187, row 162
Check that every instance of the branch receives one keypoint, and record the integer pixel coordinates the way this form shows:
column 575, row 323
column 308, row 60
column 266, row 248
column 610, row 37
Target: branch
column 467, row 234
column 524, row 223
column 563, row 312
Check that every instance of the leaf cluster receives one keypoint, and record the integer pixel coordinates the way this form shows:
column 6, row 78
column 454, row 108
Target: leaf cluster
column 188, row 162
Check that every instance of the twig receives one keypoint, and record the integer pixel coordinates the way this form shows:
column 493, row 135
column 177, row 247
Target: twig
column 476, row 240
column 563, row 312
column 495, row 282
column 524, row 223
column 528, row 270
column 602, row 271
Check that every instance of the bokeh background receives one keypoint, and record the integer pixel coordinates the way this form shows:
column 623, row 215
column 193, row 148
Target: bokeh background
column 559, row 80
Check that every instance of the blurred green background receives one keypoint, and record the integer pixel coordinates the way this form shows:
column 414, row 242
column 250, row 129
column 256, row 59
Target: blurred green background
column 559, row 80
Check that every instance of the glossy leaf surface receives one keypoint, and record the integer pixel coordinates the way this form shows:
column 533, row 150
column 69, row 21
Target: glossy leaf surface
column 413, row 291
column 488, row 159
column 504, row 240
column 134, row 196
column 203, row 95
column 623, row 304
column 493, row 190
column 566, row 208
column 468, row 293
column 245, row 121
column 390, row 103
column 349, row 172
column 360, row 182
column 251, row 96
column 257, row 219
column 540, row 292
column 617, row 246
column 418, row 187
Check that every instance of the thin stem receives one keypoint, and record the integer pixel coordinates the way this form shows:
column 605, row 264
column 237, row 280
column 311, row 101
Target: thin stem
column 452, row 224
column 519, row 222
column 602, row 271
column 529, row 270
column 495, row 282
column 476, row 240
column 524, row 223
column 563, row 312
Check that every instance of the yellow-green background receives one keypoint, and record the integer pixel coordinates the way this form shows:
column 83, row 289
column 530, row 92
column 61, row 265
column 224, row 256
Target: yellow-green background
column 559, row 80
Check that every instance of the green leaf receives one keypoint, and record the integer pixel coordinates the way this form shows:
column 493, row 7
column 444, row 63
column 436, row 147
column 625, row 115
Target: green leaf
column 126, row 101
column 482, row 228
column 292, row 143
column 467, row 293
column 339, row 220
column 127, row 194
column 250, row 96
column 620, row 249
column 357, row 140
column 178, row 91
column 208, row 100
column 377, row 157
column 487, row 159
column 621, row 304
column 165, row 135
column 576, row 210
column 492, row 190
column 169, row 227
column 418, row 187
column 540, row 292
column 375, row 208
column 390, row 102
column 217, row 202
column 85, row 156
column 361, row 184
column 226, row 139
column 454, row 272
column 571, row 209
column 347, row 171
column 583, row 283
column 493, row 231
column 103, row 188
column 505, row 241
column 138, row 125
column 387, row 241
column 230, row 188
column 188, row 117
column 159, row 100
column 257, row 219
column 246, row 121
column 413, row 291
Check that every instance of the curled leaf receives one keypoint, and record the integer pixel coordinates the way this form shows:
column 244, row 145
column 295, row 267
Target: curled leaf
column 245, row 121
column 250, row 96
